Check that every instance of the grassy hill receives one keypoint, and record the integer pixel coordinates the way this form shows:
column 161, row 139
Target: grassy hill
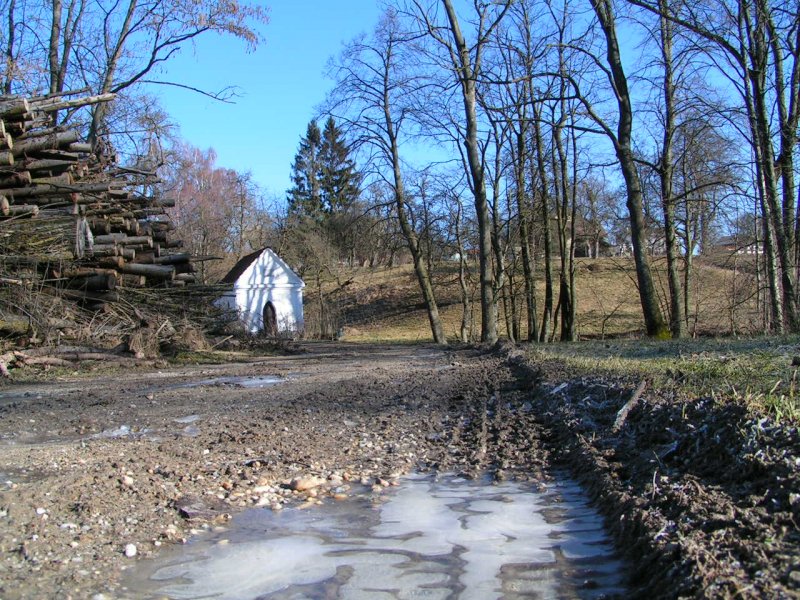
column 385, row 304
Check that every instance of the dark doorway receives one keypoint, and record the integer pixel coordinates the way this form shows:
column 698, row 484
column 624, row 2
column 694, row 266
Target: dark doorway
column 270, row 320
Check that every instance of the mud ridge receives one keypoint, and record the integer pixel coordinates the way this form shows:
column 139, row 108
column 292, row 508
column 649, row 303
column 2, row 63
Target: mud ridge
column 700, row 495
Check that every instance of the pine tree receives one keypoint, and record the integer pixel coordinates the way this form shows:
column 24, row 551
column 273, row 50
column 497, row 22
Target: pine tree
column 305, row 198
column 339, row 178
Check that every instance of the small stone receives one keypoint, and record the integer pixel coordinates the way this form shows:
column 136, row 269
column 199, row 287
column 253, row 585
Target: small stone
column 302, row 484
column 127, row 481
column 41, row 511
column 130, row 550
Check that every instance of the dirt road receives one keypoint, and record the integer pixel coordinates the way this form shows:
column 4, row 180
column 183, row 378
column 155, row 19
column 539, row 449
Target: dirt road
column 93, row 470
column 97, row 472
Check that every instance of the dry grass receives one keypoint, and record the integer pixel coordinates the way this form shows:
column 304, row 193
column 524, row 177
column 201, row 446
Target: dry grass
column 386, row 305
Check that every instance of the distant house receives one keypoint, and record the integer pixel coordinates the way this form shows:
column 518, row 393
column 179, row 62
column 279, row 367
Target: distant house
column 266, row 293
column 732, row 244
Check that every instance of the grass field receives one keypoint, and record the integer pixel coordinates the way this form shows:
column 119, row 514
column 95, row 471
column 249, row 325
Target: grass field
column 385, row 304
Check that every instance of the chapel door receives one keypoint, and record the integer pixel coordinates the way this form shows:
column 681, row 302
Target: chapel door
column 270, row 320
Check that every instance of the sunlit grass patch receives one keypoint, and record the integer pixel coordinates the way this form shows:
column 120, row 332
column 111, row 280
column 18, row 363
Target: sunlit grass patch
column 760, row 372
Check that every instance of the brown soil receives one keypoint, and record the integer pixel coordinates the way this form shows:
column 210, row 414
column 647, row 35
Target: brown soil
column 703, row 496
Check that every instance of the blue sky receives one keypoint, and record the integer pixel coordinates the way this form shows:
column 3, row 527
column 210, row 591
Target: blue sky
column 280, row 83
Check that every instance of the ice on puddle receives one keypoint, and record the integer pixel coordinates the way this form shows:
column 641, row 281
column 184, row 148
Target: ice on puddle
column 187, row 419
column 428, row 539
column 249, row 570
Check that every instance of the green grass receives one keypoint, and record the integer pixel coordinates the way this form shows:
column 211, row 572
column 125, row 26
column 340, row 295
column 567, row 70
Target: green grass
column 756, row 371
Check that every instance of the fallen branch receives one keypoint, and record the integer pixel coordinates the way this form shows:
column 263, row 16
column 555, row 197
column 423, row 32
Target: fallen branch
column 47, row 361
column 623, row 412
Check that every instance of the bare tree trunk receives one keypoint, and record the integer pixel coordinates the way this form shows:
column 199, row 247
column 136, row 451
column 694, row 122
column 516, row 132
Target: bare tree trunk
column 565, row 229
column 665, row 171
column 547, row 313
column 528, row 261
column 466, row 306
column 55, row 39
column 111, row 65
column 498, row 247
column 771, row 205
column 11, row 62
column 788, row 103
column 653, row 318
column 420, row 264
column 467, row 72
column 752, row 87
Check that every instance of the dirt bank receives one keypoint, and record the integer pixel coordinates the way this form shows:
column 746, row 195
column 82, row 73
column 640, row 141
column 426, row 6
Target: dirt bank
column 703, row 495
column 99, row 472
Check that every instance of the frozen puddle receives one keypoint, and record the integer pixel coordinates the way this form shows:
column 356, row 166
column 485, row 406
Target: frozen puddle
column 247, row 381
column 448, row 538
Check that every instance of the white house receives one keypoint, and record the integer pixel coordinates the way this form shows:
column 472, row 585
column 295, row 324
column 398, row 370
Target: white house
column 266, row 293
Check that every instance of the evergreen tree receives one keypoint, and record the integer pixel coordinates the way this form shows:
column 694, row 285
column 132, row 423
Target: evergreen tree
column 339, row 178
column 305, row 198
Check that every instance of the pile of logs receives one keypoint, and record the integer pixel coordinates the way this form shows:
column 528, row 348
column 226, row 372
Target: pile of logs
column 71, row 217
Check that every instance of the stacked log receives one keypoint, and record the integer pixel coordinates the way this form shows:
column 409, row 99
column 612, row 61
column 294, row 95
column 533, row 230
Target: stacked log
column 74, row 216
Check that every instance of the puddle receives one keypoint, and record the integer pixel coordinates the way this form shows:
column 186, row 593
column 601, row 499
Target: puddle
column 252, row 381
column 448, row 538
column 187, row 419
column 15, row 395
column 27, row 392
column 121, row 432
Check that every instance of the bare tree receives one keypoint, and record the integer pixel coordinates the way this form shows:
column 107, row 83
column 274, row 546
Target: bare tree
column 215, row 208
column 465, row 63
column 107, row 46
column 622, row 141
column 374, row 77
column 757, row 48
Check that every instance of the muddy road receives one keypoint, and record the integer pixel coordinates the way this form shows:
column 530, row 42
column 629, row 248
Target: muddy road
column 96, row 473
